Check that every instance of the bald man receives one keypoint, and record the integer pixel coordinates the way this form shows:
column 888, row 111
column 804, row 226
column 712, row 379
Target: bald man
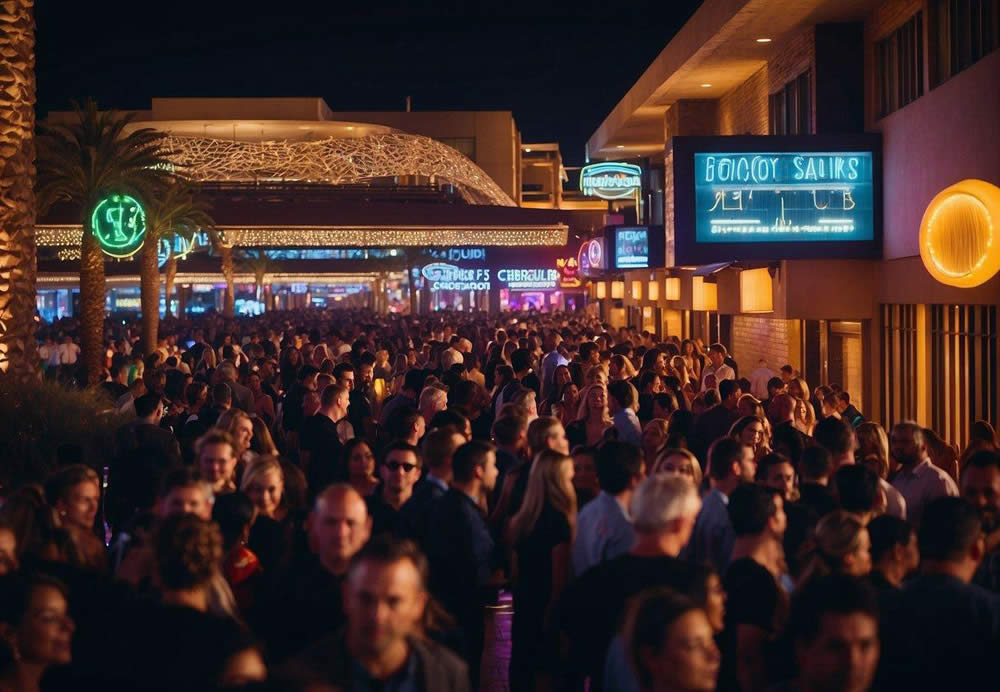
column 307, row 601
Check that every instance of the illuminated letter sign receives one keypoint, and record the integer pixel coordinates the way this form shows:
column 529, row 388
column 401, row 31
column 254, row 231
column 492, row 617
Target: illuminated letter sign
column 610, row 180
column 568, row 269
column 119, row 224
column 959, row 237
column 783, row 197
column 631, row 248
column 528, row 279
column 448, row 277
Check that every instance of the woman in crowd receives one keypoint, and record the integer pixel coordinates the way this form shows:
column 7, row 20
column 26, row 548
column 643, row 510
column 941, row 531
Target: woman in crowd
column 693, row 359
column 240, row 427
column 262, row 402
column 942, row 454
column 592, row 417
column 679, row 428
column 275, row 523
column 752, row 431
column 804, row 416
column 360, row 467
column 36, row 630
column 679, row 461
column 542, row 534
column 688, row 385
column 840, row 544
column 984, row 437
column 75, row 494
column 654, row 436
column 234, row 514
column 873, row 448
column 262, row 443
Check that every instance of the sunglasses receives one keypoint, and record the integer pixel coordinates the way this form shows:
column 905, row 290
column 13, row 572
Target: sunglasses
column 396, row 465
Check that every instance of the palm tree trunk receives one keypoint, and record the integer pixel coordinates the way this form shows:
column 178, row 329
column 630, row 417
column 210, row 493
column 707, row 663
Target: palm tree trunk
column 149, row 292
column 92, row 299
column 229, row 308
column 18, row 348
column 169, row 274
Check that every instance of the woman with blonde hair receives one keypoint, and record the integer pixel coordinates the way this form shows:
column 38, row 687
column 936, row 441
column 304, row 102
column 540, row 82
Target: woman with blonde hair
column 541, row 534
column 273, row 489
column 240, row 427
column 840, row 544
column 873, row 448
column 805, row 416
column 654, row 436
column 681, row 462
column 262, row 443
column 752, row 431
column 597, row 375
column 592, row 417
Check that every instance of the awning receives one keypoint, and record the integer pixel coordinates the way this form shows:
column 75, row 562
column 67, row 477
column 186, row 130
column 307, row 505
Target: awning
column 710, row 269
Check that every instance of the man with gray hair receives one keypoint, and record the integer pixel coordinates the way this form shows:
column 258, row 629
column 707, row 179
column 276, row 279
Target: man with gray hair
column 242, row 396
column 918, row 481
column 663, row 509
column 432, row 400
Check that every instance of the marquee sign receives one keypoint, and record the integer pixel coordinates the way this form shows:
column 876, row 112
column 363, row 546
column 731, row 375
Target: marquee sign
column 448, row 277
column 119, row 224
column 610, row 180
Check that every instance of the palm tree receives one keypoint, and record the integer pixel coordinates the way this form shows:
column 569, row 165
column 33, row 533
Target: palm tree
column 80, row 163
column 258, row 263
column 18, row 354
column 225, row 249
column 175, row 211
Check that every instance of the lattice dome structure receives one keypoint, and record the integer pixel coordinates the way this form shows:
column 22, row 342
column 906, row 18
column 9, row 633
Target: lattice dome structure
column 335, row 160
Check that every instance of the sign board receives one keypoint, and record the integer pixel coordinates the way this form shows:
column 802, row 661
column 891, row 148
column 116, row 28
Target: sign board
column 610, row 180
column 637, row 247
column 776, row 198
column 592, row 257
column 440, row 276
column 119, row 224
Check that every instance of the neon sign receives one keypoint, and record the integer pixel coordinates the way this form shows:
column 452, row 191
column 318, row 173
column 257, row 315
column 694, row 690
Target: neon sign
column 448, row 277
column 520, row 279
column 781, row 197
column 590, row 258
column 610, row 180
column 959, row 238
column 119, row 224
column 569, row 276
column 458, row 254
column 631, row 248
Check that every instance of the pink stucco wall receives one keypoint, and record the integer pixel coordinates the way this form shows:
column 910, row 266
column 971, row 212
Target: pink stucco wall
column 947, row 135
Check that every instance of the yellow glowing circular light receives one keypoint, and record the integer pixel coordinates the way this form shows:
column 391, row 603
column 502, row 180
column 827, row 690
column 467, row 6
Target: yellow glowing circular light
column 959, row 242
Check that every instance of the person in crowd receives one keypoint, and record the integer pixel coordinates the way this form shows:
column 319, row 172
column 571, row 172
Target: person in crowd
column 278, row 516
column 240, row 429
column 185, row 491
column 670, row 643
column 358, row 472
column 263, row 404
column 918, row 480
column 144, row 434
column 816, row 471
column 460, row 549
column 730, row 465
column 872, row 448
column 74, row 492
column 756, row 601
column 432, row 400
column 234, row 514
column 437, row 451
column 938, row 629
column 585, row 478
column 981, row 488
column 36, row 629
column 679, row 462
column 663, row 508
column 857, row 491
column 604, row 529
column 848, row 411
column 841, row 544
column 775, row 470
column 413, row 385
column 243, row 398
column 654, row 436
column 894, row 552
column 717, row 421
column 383, row 645
column 592, row 419
column 834, row 626
column 398, row 472
column 306, row 603
column 716, row 369
column 623, row 403
column 510, row 434
column 320, row 442
column 751, row 430
column 541, row 533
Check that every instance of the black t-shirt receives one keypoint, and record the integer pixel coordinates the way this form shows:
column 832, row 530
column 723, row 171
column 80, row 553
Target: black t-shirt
column 116, row 389
column 593, row 606
column 753, row 597
column 318, row 436
column 534, row 559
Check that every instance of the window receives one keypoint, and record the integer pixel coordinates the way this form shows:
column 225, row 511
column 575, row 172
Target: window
column 899, row 364
column 790, row 110
column 464, row 145
column 964, row 31
column 899, row 66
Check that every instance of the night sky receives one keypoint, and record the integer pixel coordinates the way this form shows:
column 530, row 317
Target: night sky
column 559, row 66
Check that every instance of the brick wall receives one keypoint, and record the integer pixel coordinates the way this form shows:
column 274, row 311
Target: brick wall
column 744, row 109
column 760, row 337
column 888, row 15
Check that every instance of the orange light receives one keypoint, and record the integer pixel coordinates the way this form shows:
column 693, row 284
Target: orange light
column 704, row 296
column 617, row 290
column 637, row 290
column 755, row 291
column 959, row 239
column 672, row 288
column 602, row 290
column 653, row 290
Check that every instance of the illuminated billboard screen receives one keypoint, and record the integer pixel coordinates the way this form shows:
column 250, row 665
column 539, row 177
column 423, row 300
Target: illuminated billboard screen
column 632, row 248
column 776, row 198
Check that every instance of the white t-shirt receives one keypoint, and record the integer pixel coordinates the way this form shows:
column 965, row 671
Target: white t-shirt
column 723, row 372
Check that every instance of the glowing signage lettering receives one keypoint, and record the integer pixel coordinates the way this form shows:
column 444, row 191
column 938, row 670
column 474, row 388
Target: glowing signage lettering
column 780, row 197
column 529, row 278
column 448, row 277
column 610, row 180
column 631, row 248
column 458, row 254
column 119, row 224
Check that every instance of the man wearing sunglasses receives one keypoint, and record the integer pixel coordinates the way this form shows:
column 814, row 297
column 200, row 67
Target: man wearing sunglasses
column 399, row 470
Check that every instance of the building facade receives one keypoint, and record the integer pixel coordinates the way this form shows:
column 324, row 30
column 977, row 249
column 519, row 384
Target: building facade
column 921, row 75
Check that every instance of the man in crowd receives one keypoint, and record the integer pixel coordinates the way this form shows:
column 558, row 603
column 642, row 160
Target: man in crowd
column 894, row 551
column 716, row 367
column 319, row 438
column 918, row 480
column 215, row 453
column 438, row 449
column 716, row 421
column 730, row 465
column 604, row 529
column 623, row 403
column 384, row 645
column 981, row 488
column 460, row 548
column 144, row 433
column 399, row 471
column 242, row 397
column 413, row 385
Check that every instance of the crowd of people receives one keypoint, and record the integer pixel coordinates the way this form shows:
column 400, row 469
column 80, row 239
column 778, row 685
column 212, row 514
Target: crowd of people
column 338, row 500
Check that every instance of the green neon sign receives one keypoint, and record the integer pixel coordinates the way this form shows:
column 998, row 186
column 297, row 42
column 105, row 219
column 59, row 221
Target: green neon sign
column 119, row 224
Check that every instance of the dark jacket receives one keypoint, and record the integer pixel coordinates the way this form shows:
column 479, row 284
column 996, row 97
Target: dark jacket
column 328, row 661
column 415, row 512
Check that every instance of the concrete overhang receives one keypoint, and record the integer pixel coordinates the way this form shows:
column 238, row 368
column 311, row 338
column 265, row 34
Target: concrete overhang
column 714, row 52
